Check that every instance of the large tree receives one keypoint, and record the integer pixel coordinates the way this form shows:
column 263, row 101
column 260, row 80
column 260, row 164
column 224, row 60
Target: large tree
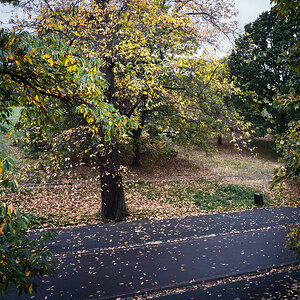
column 137, row 42
column 256, row 65
column 289, row 142
column 290, row 10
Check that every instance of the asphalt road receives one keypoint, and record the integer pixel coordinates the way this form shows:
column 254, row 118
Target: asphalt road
column 151, row 231
column 282, row 285
column 119, row 260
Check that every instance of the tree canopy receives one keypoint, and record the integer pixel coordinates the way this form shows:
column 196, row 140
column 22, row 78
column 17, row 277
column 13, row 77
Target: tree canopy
column 257, row 66
column 109, row 61
column 288, row 142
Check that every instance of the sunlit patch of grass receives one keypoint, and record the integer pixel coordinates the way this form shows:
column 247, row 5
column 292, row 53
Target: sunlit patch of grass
column 227, row 161
column 4, row 146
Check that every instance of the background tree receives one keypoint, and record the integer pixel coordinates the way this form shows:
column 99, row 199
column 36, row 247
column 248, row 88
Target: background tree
column 13, row 2
column 255, row 63
column 288, row 142
column 48, row 80
column 289, row 10
column 200, row 107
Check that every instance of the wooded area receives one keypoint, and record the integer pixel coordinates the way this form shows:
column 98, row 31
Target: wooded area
column 92, row 82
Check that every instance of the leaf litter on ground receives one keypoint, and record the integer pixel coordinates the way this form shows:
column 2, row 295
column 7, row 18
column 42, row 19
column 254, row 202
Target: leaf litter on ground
column 191, row 183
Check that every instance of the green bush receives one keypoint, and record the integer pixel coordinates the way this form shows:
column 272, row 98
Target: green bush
column 288, row 145
column 21, row 259
column 168, row 151
column 7, row 164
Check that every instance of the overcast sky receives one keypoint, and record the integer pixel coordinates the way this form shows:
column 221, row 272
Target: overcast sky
column 249, row 10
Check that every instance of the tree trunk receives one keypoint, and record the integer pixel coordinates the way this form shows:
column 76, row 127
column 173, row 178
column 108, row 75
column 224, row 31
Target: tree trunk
column 112, row 193
column 136, row 138
column 220, row 141
column 283, row 122
column 113, row 200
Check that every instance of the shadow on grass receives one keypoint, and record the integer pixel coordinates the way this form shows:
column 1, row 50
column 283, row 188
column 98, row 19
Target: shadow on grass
column 265, row 148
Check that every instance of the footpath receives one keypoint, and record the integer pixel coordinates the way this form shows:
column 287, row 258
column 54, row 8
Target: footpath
column 111, row 261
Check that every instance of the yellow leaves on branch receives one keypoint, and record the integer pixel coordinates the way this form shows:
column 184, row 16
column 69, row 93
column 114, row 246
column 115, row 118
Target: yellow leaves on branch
column 6, row 216
column 2, row 227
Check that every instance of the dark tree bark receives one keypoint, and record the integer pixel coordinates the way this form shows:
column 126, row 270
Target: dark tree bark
column 112, row 194
column 283, row 122
column 113, row 200
column 136, row 141
column 220, row 141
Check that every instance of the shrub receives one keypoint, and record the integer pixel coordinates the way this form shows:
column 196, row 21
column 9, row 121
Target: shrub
column 21, row 259
column 293, row 240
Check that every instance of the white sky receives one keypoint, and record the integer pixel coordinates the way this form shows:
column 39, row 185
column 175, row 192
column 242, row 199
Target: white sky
column 249, row 10
column 6, row 13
